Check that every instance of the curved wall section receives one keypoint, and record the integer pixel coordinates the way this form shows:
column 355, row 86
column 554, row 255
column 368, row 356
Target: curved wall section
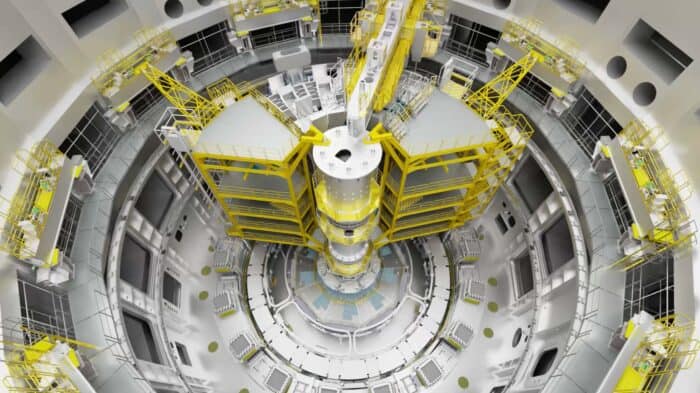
column 57, row 91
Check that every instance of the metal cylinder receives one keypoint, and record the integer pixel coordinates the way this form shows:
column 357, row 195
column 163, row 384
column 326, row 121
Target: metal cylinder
column 347, row 196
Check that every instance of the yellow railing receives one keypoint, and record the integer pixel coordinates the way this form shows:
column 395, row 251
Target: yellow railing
column 667, row 349
column 559, row 58
column 276, row 112
column 25, row 214
column 197, row 109
column 31, row 366
column 241, row 9
column 117, row 70
column 664, row 195
column 223, row 91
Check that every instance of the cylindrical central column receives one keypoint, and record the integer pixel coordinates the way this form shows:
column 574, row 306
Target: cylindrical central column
column 348, row 198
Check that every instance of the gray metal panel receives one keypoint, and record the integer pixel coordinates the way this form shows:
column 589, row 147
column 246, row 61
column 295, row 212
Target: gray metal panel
column 240, row 346
column 461, row 123
column 278, row 380
column 463, row 333
column 249, row 128
column 291, row 58
column 430, row 372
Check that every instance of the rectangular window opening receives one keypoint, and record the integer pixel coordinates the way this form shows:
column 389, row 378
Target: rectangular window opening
column 94, row 138
column 590, row 10
column 155, row 199
column 531, row 184
column 657, row 52
column 89, row 15
column 171, row 289
column 141, row 338
column 469, row 39
column 135, row 264
column 209, row 46
column 19, row 68
column 587, row 120
column 182, row 354
column 522, row 274
column 557, row 244
column 274, row 34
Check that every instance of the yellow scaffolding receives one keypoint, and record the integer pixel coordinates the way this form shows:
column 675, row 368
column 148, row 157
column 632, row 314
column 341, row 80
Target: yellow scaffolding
column 266, row 200
column 559, row 57
column 365, row 25
column 31, row 368
column 117, row 69
column 284, row 213
column 464, row 178
column 25, row 214
column 664, row 195
column 667, row 349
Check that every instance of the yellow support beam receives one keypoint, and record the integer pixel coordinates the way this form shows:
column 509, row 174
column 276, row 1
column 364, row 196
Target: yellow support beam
column 559, row 57
column 490, row 97
column 197, row 109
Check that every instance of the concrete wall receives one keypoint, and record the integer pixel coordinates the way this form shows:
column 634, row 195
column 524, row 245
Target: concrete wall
column 55, row 100
column 677, row 103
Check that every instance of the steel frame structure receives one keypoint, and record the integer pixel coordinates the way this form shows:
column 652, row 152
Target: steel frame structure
column 667, row 348
column 280, row 216
column 422, row 209
column 559, row 57
column 664, row 194
column 94, row 138
column 25, row 214
column 198, row 110
column 30, row 369
column 153, row 44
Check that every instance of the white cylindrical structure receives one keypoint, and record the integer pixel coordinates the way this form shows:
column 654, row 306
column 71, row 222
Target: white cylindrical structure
column 347, row 196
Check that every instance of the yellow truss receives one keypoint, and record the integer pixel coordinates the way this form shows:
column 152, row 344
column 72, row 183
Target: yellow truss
column 257, row 209
column 197, row 109
column 490, row 97
column 664, row 194
column 153, row 45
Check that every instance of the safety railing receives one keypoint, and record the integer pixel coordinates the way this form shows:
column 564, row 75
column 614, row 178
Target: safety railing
column 25, row 214
column 117, row 69
column 241, row 9
column 560, row 57
column 664, row 194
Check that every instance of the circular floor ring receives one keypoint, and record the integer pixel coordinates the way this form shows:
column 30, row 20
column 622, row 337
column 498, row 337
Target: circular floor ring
column 360, row 326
